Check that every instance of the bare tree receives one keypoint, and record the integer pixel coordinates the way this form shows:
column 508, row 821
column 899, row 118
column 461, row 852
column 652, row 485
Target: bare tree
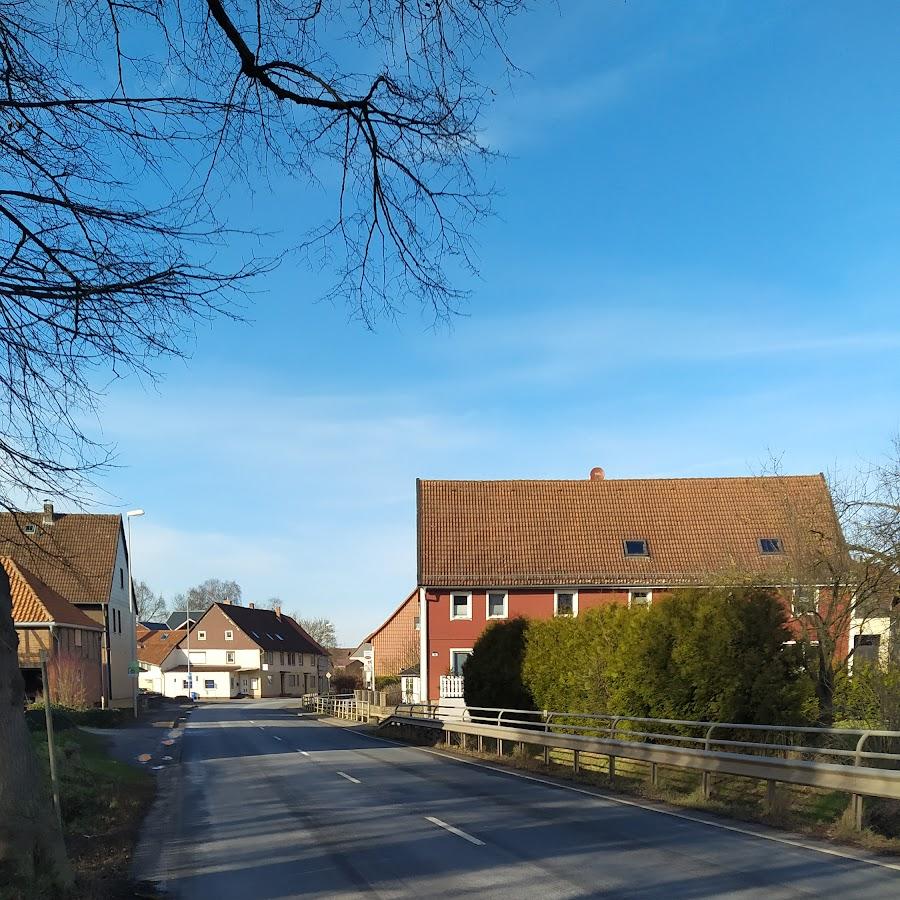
column 151, row 607
column 110, row 249
column 199, row 598
column 321, row 630
column 846, row 577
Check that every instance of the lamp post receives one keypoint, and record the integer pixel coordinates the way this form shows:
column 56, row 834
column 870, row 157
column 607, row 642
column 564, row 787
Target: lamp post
column 132, row 514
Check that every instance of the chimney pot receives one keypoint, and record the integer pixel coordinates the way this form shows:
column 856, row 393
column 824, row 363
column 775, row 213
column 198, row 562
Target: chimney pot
column 47, row 518
column 251, row 606
column 278, row 610
column 597, row 474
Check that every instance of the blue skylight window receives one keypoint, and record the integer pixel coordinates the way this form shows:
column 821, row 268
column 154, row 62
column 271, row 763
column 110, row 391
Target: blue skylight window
column 636, row 548
column 769, row 545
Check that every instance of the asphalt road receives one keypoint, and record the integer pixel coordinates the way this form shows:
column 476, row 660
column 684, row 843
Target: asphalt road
column 268, row 804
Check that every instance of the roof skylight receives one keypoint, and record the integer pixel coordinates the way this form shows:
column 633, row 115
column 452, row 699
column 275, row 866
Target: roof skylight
column 771, row 545
column 635, row 548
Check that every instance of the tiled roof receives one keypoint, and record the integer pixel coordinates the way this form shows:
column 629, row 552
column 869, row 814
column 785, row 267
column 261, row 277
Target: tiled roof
column 75, row 555
column 269, row 631
column 157, row 645
column 34, row 601
column 411, row 597
column 544, row 533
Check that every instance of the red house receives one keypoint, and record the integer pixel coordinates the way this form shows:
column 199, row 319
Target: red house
column 492, row 550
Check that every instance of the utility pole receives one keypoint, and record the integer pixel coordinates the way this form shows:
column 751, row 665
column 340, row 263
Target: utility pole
column 51, row 740
column 187, row 604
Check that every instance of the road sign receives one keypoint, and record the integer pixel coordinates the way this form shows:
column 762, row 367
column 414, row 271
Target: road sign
column 134, row 669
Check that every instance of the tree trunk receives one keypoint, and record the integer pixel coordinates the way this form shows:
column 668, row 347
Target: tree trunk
column 30, row 837
column 825, row 693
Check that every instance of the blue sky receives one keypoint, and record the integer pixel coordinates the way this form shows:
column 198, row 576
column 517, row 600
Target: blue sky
column 693, row 266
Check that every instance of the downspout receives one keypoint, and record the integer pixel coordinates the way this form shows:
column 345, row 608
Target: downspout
column 105, row 653
column 423, row 646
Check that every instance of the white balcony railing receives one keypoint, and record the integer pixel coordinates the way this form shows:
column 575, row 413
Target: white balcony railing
column 452, row 686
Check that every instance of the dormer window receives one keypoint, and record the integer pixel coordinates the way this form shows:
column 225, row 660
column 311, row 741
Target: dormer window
column 770, row 545
column 30, row 529
column 635, row 547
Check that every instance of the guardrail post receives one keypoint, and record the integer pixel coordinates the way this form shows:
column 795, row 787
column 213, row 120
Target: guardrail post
column 707, row 776
column 770, row 795
column 654, row 774
column 856, row 800
column 576, row 761
column 547, row 717
column 611, row 760
column 499, row 746
column 481, row 743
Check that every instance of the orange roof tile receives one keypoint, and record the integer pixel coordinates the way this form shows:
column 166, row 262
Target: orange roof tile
column 544, row 533
column 157, row 645
column 75, row 555
column 35, row 602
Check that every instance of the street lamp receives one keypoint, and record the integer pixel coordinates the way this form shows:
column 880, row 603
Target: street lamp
column 132, row 514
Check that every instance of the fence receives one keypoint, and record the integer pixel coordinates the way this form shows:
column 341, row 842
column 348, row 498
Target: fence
column 833, row 758
column 340, row 706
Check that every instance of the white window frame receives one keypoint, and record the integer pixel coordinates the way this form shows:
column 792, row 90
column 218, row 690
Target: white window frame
column 649, row 594
column 201, row 635
column 458, row 650
column 468, row 595
column 556, row 594
column 77, row 637
column 229, row 662
column 229, row 635
column 487, row 604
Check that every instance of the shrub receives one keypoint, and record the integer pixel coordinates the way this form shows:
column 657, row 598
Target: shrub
column 383, row 682
column 64, row 718
column 712, row 654
column 570, row 663
column 345, row 684
column 494, row 670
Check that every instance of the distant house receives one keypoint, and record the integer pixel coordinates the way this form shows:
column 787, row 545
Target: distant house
column 491, row 550
column 82, row 557
column 364, row 655
column 179, row 618
column 343, row 664
column 235, row 650
column 47, row 623
column 395, row 643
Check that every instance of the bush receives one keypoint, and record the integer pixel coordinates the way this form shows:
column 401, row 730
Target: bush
column 869, row 698
column 383, row 682
column 570, row 663
column 64, row 718
column 345, row 684
column 494, row 670
column 714, row 654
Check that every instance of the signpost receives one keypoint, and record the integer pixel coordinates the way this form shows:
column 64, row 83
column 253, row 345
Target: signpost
column 51, row 740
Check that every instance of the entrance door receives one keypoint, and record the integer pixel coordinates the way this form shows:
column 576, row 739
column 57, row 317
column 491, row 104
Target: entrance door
column 458, row 660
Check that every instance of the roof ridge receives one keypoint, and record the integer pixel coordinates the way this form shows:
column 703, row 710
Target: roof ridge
column 607, row 480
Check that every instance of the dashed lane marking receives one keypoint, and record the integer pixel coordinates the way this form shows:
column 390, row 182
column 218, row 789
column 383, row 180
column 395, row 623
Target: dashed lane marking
column 349, row 777
column 458, row 832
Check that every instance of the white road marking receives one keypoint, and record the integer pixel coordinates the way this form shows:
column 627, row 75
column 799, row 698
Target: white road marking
column 349, row 777
column 789, row 841
column 277, row 738
column 456, row 831
column 262, row 728
column 303, row 752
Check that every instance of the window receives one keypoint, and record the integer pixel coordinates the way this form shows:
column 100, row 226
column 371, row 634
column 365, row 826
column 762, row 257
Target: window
column 458, row 660
column 122, row 578
column 185, row 683
column 497, row 604
column 269, row 679
column 640, row 599
column 460, row 606
column 229, row 657
column 209, row 684
column 805, row 599
column 865, row 648
column 77, row 637
column 635, row 548
column 770, row 545
column 30, row 529
column 565, row 603
column 418, row 623
column 229, row 635
column 201, row 635
column 254, row 684
column 255, row 634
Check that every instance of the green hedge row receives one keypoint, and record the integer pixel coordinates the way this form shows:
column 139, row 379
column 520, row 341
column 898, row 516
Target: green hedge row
column 713, row 654
column 64, row 717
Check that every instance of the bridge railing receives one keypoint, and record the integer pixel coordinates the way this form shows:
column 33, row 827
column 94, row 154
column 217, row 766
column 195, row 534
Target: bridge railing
column 340, row 706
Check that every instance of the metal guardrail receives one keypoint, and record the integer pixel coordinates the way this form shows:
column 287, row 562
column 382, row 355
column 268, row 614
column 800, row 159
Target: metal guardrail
column 774, row 753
